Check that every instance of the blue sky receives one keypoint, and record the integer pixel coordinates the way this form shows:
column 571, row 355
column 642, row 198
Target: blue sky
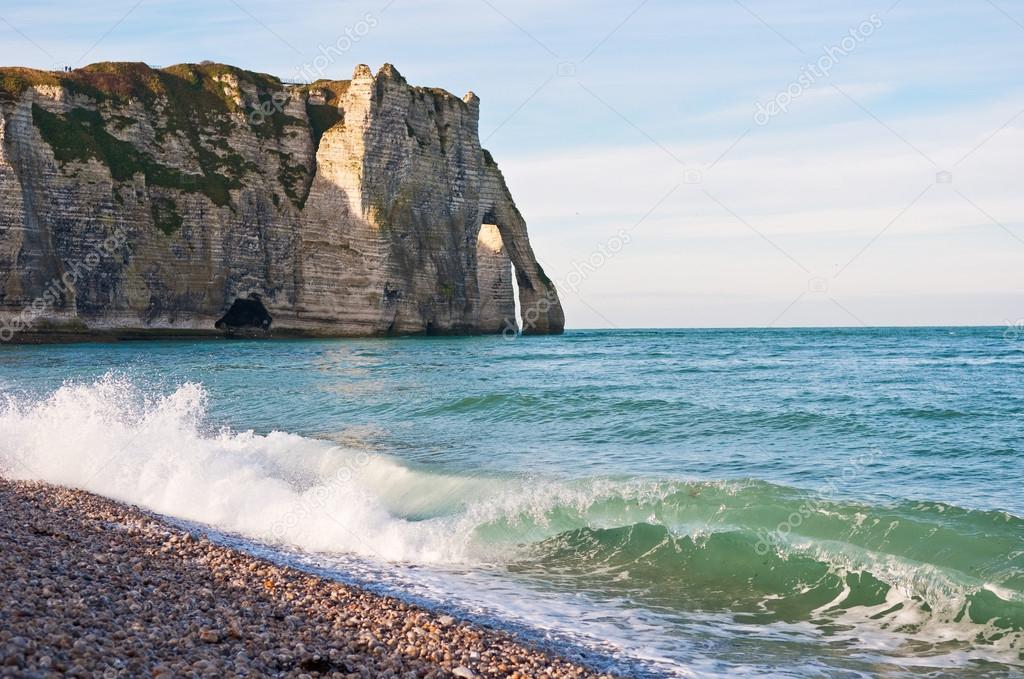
column 640, row 117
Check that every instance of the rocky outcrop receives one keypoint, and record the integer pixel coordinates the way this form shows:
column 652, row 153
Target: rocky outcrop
column 149, row 201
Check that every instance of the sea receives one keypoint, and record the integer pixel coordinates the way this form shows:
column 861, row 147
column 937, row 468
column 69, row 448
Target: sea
column 692, row 503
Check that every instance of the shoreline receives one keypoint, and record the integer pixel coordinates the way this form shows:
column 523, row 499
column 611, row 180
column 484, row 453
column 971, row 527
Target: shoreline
column 118, row 335
column 93, row 587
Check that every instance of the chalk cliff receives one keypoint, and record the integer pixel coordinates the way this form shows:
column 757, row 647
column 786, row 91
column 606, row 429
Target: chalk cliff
column 136, row 201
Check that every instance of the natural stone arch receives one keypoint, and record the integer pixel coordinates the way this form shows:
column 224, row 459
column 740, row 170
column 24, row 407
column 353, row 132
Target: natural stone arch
column 540, row 307
column 494, row 280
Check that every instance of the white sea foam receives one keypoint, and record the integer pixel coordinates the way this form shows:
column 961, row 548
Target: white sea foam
column 110, row 438
column 321, row 497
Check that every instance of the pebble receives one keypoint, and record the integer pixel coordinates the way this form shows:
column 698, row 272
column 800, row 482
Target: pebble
column 95, row 588
column 208, row 636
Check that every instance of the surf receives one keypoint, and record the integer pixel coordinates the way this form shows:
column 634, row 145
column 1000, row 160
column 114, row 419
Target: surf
column 926, row 573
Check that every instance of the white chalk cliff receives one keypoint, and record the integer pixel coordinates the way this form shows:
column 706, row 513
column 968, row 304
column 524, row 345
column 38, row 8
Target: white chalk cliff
column 139, row 202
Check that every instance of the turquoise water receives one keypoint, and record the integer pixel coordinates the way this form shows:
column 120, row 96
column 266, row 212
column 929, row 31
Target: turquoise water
column 786, row 502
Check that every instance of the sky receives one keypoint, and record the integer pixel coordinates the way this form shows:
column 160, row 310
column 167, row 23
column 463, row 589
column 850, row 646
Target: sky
column 708, row 163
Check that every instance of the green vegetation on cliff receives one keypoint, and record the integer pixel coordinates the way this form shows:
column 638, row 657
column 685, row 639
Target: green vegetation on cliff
column 81, row 136
column 198, row 88
column 14, row 81
column 121, row 82
column 197, row 105
column 165, row 214
column 332, row 90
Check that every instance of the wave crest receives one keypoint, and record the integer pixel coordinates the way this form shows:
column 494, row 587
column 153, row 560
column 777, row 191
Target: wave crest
column 673, row 544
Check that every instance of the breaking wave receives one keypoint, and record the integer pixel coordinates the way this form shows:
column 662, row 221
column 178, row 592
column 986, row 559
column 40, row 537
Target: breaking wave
column 939, row 575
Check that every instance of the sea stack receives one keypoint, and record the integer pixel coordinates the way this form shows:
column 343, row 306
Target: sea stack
column 137, row 201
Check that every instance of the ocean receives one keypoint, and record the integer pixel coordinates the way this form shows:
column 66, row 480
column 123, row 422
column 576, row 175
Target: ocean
column 791, row 502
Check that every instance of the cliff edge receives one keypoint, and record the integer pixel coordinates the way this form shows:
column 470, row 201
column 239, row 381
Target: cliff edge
column 138, row 202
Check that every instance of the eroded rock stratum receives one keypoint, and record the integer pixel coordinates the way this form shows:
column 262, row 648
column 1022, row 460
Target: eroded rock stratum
column 148, row 201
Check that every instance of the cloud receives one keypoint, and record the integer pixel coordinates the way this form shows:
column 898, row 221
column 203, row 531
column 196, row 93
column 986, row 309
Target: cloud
column 850, row 198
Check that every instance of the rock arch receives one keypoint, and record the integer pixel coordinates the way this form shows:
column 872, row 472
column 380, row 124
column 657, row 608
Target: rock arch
column 494, row 280
column 540, row 307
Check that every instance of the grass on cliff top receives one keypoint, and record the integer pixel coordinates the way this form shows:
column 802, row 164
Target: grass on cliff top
column 14, row 81
column 333, row 90
column 193, row 101
column 194, row 93
column 121, row 81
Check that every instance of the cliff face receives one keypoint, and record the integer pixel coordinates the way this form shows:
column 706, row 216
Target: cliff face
column 140, row 200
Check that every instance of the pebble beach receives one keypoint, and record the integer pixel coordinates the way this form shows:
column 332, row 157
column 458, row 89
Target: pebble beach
column 94, row 588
